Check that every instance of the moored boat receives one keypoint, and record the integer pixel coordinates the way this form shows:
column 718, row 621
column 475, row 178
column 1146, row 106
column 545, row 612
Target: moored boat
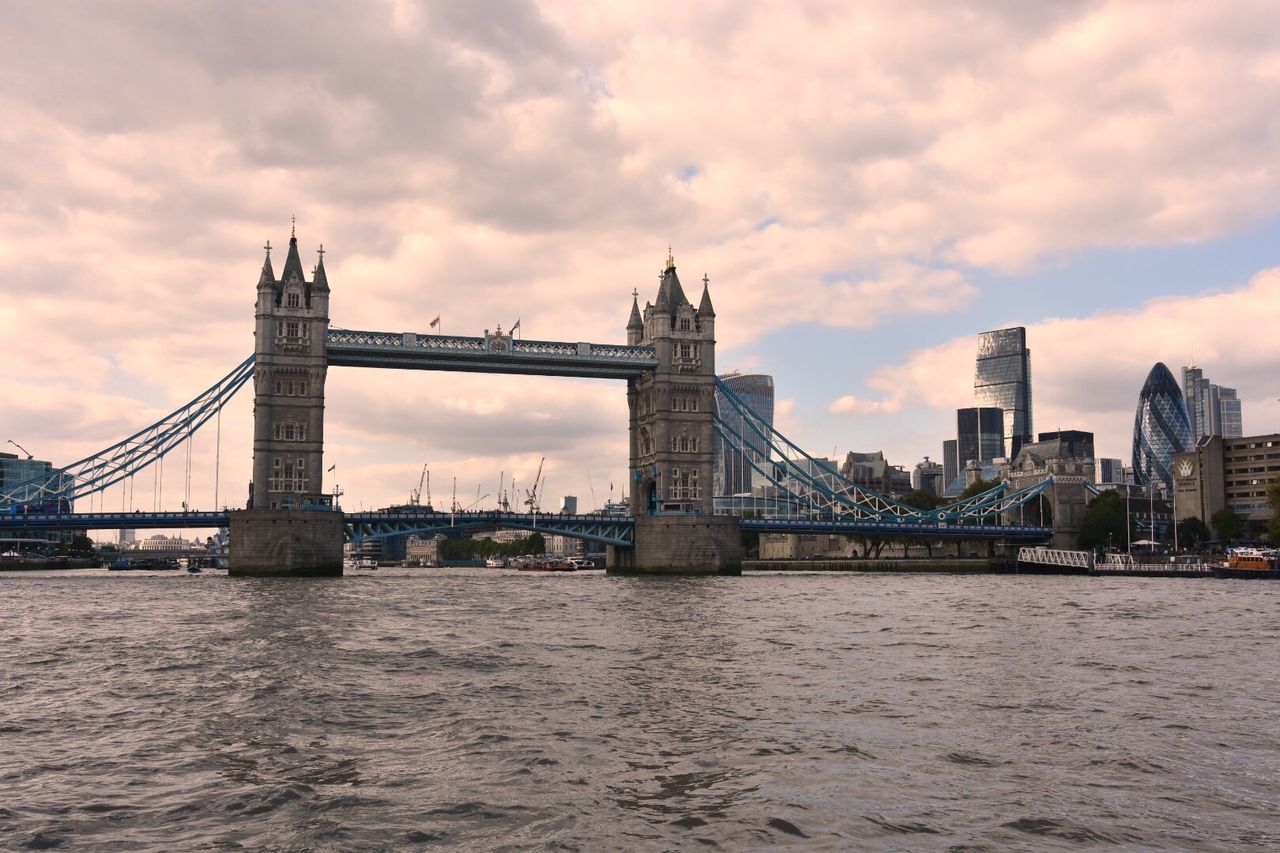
column 1249, row 563
column 551, row 566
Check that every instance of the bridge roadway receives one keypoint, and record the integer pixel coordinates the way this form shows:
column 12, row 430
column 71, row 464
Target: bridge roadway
column 409, row 350
column 605, row 529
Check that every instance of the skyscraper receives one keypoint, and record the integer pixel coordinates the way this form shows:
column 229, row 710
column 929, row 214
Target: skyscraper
column 1002, row 379
column 950, row 461
column 979, row 434
column 1161, row 428
column 733, row 470
column 1211, row 409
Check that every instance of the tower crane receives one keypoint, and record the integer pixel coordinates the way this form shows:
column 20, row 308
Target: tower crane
column 532, row 500
column 23, row 449
column 415, row 495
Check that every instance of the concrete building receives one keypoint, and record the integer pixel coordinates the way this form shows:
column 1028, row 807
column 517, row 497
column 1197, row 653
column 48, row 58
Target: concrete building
column 1002, row 379
column 927, row 476
column 1227, row 472
column 872, row 471
column 570, row 505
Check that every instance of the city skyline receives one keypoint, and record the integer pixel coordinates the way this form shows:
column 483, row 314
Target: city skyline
column 858, row 236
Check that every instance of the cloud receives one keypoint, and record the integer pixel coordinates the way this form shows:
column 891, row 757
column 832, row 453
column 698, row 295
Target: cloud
column 850, row 165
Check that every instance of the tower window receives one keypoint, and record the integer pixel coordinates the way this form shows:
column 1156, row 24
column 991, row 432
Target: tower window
column 295, row 300
column 686, row 324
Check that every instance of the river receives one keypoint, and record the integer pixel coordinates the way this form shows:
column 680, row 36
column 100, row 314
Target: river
column 487, row 709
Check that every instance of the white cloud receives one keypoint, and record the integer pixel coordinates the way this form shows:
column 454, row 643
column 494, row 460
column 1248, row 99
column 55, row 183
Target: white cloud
column 821, row 162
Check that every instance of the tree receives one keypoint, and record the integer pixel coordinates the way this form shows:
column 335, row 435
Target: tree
column 977, row 488
column 1227, row 524
column 1192, row 532
column 921, row 499
column 1104, row 522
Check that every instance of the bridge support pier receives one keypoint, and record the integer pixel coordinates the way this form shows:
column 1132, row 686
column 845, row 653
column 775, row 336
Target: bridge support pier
column 286, row 543
column 682, row 545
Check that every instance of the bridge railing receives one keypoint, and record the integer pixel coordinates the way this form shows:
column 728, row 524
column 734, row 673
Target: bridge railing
column 1054, row 557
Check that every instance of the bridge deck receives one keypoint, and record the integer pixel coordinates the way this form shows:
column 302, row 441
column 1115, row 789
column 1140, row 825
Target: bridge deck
column 408, row 350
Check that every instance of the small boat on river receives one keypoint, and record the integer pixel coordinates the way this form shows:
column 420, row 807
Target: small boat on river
column 1249, row 563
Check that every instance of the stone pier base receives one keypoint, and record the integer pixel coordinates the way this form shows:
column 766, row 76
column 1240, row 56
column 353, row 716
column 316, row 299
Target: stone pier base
column 682, row 545
column 286, row 543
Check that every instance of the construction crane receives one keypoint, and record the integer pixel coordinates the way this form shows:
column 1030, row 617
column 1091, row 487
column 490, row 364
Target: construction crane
column 23, row 449
column 532, row 500
column 415, row 495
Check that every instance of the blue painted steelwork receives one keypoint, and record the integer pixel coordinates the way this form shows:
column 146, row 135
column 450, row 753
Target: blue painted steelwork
column 900, row 527
column 126, row 458
column 809, row 484
column 497, row 354
column 605, row 529
column 113, row 520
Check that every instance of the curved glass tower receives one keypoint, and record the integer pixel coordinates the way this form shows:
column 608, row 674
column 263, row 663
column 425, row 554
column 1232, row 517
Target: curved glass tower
column 733, row 475
column 1161, row 428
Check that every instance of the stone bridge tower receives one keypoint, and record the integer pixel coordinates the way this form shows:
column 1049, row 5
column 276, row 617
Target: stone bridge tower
column 672, row 412
column 290, row 527
column 289, row 371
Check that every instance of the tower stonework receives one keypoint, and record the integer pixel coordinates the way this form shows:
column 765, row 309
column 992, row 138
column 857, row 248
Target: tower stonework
column 672, row 412
column 289, row 527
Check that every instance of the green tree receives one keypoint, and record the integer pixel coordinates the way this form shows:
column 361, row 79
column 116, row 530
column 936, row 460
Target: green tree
column 924, row 500
column 1192, row 532
column 536, row 544
column 1227, row 524
column 1104, row 522
column 977, row 488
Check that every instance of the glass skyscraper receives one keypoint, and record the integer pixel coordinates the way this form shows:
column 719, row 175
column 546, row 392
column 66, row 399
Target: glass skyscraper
column 1212, row 409
column 733, row 472
column 1002, row 380
column 1161, row 428
column 979, row 434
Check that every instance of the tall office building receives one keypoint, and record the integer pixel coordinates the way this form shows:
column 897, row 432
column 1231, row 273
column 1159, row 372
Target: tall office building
column 1161, row 428
column 1110, row 471
column 950, row 461
column 1075, row 443
column 1211, row 409
column 733, row 468
column 1002, row 379
column 979, row 434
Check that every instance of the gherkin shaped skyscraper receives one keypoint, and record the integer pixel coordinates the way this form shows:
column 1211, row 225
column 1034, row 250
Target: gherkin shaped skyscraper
column 1161, row 428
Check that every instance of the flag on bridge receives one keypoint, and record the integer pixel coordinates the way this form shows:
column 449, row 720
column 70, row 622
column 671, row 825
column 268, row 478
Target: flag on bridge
column 435, row 322
column 516, row 326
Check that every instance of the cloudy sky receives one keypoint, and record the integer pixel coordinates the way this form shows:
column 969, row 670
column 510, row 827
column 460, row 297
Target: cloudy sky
column 867, row 190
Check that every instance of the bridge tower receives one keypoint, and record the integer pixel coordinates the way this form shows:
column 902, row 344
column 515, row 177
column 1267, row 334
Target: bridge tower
column 672, row 410
column 285, row 531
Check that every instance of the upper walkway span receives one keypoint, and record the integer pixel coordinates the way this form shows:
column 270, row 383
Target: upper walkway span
column 490, row 354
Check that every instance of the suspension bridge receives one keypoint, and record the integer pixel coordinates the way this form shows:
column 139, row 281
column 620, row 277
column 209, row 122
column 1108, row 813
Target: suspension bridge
column 683, row 420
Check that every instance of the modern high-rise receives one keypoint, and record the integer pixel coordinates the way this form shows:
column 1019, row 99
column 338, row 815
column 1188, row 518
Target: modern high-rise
column 1211, row 409
column 950, row 461
column 1002, row 379
column 1075, row 443
column 1110, row 471
column 733, row 461
column 979, row 434
column 1161, row 428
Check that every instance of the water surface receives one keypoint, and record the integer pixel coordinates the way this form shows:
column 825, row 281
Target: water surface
column 492, row 709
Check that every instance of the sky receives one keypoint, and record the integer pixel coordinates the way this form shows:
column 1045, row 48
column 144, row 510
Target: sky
column 867, row 186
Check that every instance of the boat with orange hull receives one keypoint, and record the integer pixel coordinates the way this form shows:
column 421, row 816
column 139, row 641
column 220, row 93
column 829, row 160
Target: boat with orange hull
column 1249, row 563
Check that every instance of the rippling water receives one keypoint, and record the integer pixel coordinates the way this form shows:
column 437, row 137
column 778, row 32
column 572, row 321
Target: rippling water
column 490, row 709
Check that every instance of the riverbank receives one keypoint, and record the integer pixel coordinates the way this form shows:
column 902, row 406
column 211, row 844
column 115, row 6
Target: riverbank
column 35, row 564
column 957, row 566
